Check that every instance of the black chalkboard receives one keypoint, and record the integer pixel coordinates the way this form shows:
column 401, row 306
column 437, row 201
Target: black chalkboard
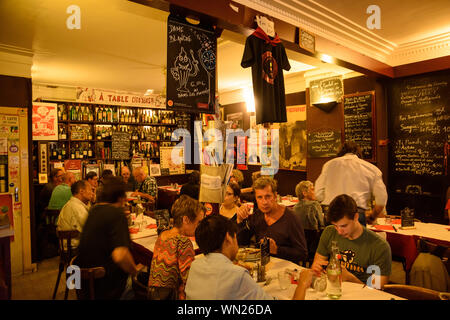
column 359, row 119
column 419, row 133
column 120, row 145
column 324, row 144
column 326, row 90
column 191, row 66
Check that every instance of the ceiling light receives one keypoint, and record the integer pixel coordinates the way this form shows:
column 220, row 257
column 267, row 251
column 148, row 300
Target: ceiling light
column 249, row 99
column 326, row 58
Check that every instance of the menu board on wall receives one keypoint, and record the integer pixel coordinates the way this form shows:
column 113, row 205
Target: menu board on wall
column 359, row 121
column 419, row 130
column 326, row 90
column 324, row 144
column 191, row 67
column 120, row 145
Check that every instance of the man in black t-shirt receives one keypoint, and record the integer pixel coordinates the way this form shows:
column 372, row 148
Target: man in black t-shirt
column 105, row 241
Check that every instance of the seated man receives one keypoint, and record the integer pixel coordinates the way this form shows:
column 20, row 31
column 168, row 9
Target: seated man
column 105, row 241
column 55, row 177
column 192, row 188
column 61, row 194
column 362, row 251
column 75, row 212
column 215, row 277
column 92, row 178
column 127, row 178
column 147, row 187
column 274, row 221
column 310, row 213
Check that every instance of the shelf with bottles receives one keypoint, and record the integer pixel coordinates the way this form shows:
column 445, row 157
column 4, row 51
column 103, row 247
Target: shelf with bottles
column 107, row 114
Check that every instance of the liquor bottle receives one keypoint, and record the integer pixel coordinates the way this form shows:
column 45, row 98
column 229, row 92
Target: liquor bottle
column 54, row 152
column 85, row 114
column 59, row 154
column 104, row 119
column 122, row 116
column 90, row 114
column 89, row 151
column 72, row 153
column 64, row 111
column 63, row 151
column 103, row 133
column 77, row 151
column 156, row 148
column 89, row 134
column 334, row 273
column 142, row 133
column 99, row 134
column 59, row 112
column 80, row 113
column 109, row 114
column 85, row 152
column 114, row 115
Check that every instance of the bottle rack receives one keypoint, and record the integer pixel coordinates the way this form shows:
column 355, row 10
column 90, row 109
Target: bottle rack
column 148, row 128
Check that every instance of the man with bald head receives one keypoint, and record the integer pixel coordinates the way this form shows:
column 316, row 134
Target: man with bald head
column 146, row 186
column 125, row 173
column 62, row 193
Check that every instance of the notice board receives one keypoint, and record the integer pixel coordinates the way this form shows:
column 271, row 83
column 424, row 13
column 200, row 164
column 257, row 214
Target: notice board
column 191, row 66
column 324, row 143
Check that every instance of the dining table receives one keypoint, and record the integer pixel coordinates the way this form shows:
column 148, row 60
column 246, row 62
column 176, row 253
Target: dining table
column 403, row 242
column 350, row 290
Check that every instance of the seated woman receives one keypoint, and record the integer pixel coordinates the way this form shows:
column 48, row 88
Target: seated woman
column 174, row 252
column 231, row 201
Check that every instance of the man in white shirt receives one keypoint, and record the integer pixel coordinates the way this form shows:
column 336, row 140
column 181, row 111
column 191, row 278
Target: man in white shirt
column 215, row 277
column 75, row 212
column 348, row 174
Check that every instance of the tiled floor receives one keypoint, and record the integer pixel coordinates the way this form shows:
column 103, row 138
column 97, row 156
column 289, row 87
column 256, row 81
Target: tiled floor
column 40, row 285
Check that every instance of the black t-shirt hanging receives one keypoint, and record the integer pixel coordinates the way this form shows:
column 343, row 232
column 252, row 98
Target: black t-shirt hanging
column 268, row 58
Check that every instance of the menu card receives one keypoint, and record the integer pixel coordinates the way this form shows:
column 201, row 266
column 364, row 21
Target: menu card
column 407, row 218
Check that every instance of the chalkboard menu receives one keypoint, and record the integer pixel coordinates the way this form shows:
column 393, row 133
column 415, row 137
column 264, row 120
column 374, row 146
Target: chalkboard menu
column 326, row 90
column 191, row 66
column 419, row 133
column 324, row 144
column 420, row 125
column 359, row 121
column 120, row 145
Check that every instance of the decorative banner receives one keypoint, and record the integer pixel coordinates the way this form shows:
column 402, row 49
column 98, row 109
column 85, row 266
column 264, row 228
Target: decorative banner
column 45, row 121
column 191, row 67
column 100, row 96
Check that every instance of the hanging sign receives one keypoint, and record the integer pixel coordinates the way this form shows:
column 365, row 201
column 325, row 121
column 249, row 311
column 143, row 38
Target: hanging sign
column 191, row 66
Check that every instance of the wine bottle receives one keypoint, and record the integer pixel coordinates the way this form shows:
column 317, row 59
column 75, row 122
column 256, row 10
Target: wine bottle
column 334, row 273
column 90, row 151
column 104, row 118
column 109, row 115
column 64, row 115
column 122, row 117
column 63, row 151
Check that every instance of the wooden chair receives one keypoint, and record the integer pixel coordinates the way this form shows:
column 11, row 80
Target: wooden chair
column 414, row 293
column 89, row 275
column 443, row 252
column 66, row 253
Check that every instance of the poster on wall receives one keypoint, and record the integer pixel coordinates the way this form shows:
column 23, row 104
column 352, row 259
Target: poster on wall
column 293, row 139
column 236, row 120
column 45, row 121
column 191, row 66
column 172, row 158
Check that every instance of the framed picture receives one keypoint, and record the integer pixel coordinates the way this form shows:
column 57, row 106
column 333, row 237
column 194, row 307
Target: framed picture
column 237, row 120
column 155, row 170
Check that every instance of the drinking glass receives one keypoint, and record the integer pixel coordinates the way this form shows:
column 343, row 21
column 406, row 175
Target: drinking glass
column 388, row 220
column 250, row 206
column 319, row 284
column 284, row 279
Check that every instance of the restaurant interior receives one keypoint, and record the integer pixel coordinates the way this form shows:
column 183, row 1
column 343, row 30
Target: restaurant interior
column 106, row 67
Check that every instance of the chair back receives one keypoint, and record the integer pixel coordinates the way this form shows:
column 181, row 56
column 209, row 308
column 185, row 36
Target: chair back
column 412, row 292
column 89, row 275
column 66, row 251
column 439, row 250
column 51, row 216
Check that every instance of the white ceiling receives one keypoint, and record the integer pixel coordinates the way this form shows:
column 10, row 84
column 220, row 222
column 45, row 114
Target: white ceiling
column 122, row 45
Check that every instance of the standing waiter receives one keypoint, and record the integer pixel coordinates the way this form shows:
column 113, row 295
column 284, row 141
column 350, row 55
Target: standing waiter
column 349, row 174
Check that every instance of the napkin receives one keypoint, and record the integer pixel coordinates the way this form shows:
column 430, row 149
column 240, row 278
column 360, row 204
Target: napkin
column 396, row 221
column 383, row 227
column 151, row 226
column 133, row 230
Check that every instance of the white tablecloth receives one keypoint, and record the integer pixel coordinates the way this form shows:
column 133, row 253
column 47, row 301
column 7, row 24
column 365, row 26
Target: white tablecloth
column 146, row 232
column 427, row 230
column 149, row 242
column 350, row 290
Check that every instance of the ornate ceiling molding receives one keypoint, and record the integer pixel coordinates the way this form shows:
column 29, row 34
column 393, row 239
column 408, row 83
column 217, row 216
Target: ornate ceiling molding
column 326, row 23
